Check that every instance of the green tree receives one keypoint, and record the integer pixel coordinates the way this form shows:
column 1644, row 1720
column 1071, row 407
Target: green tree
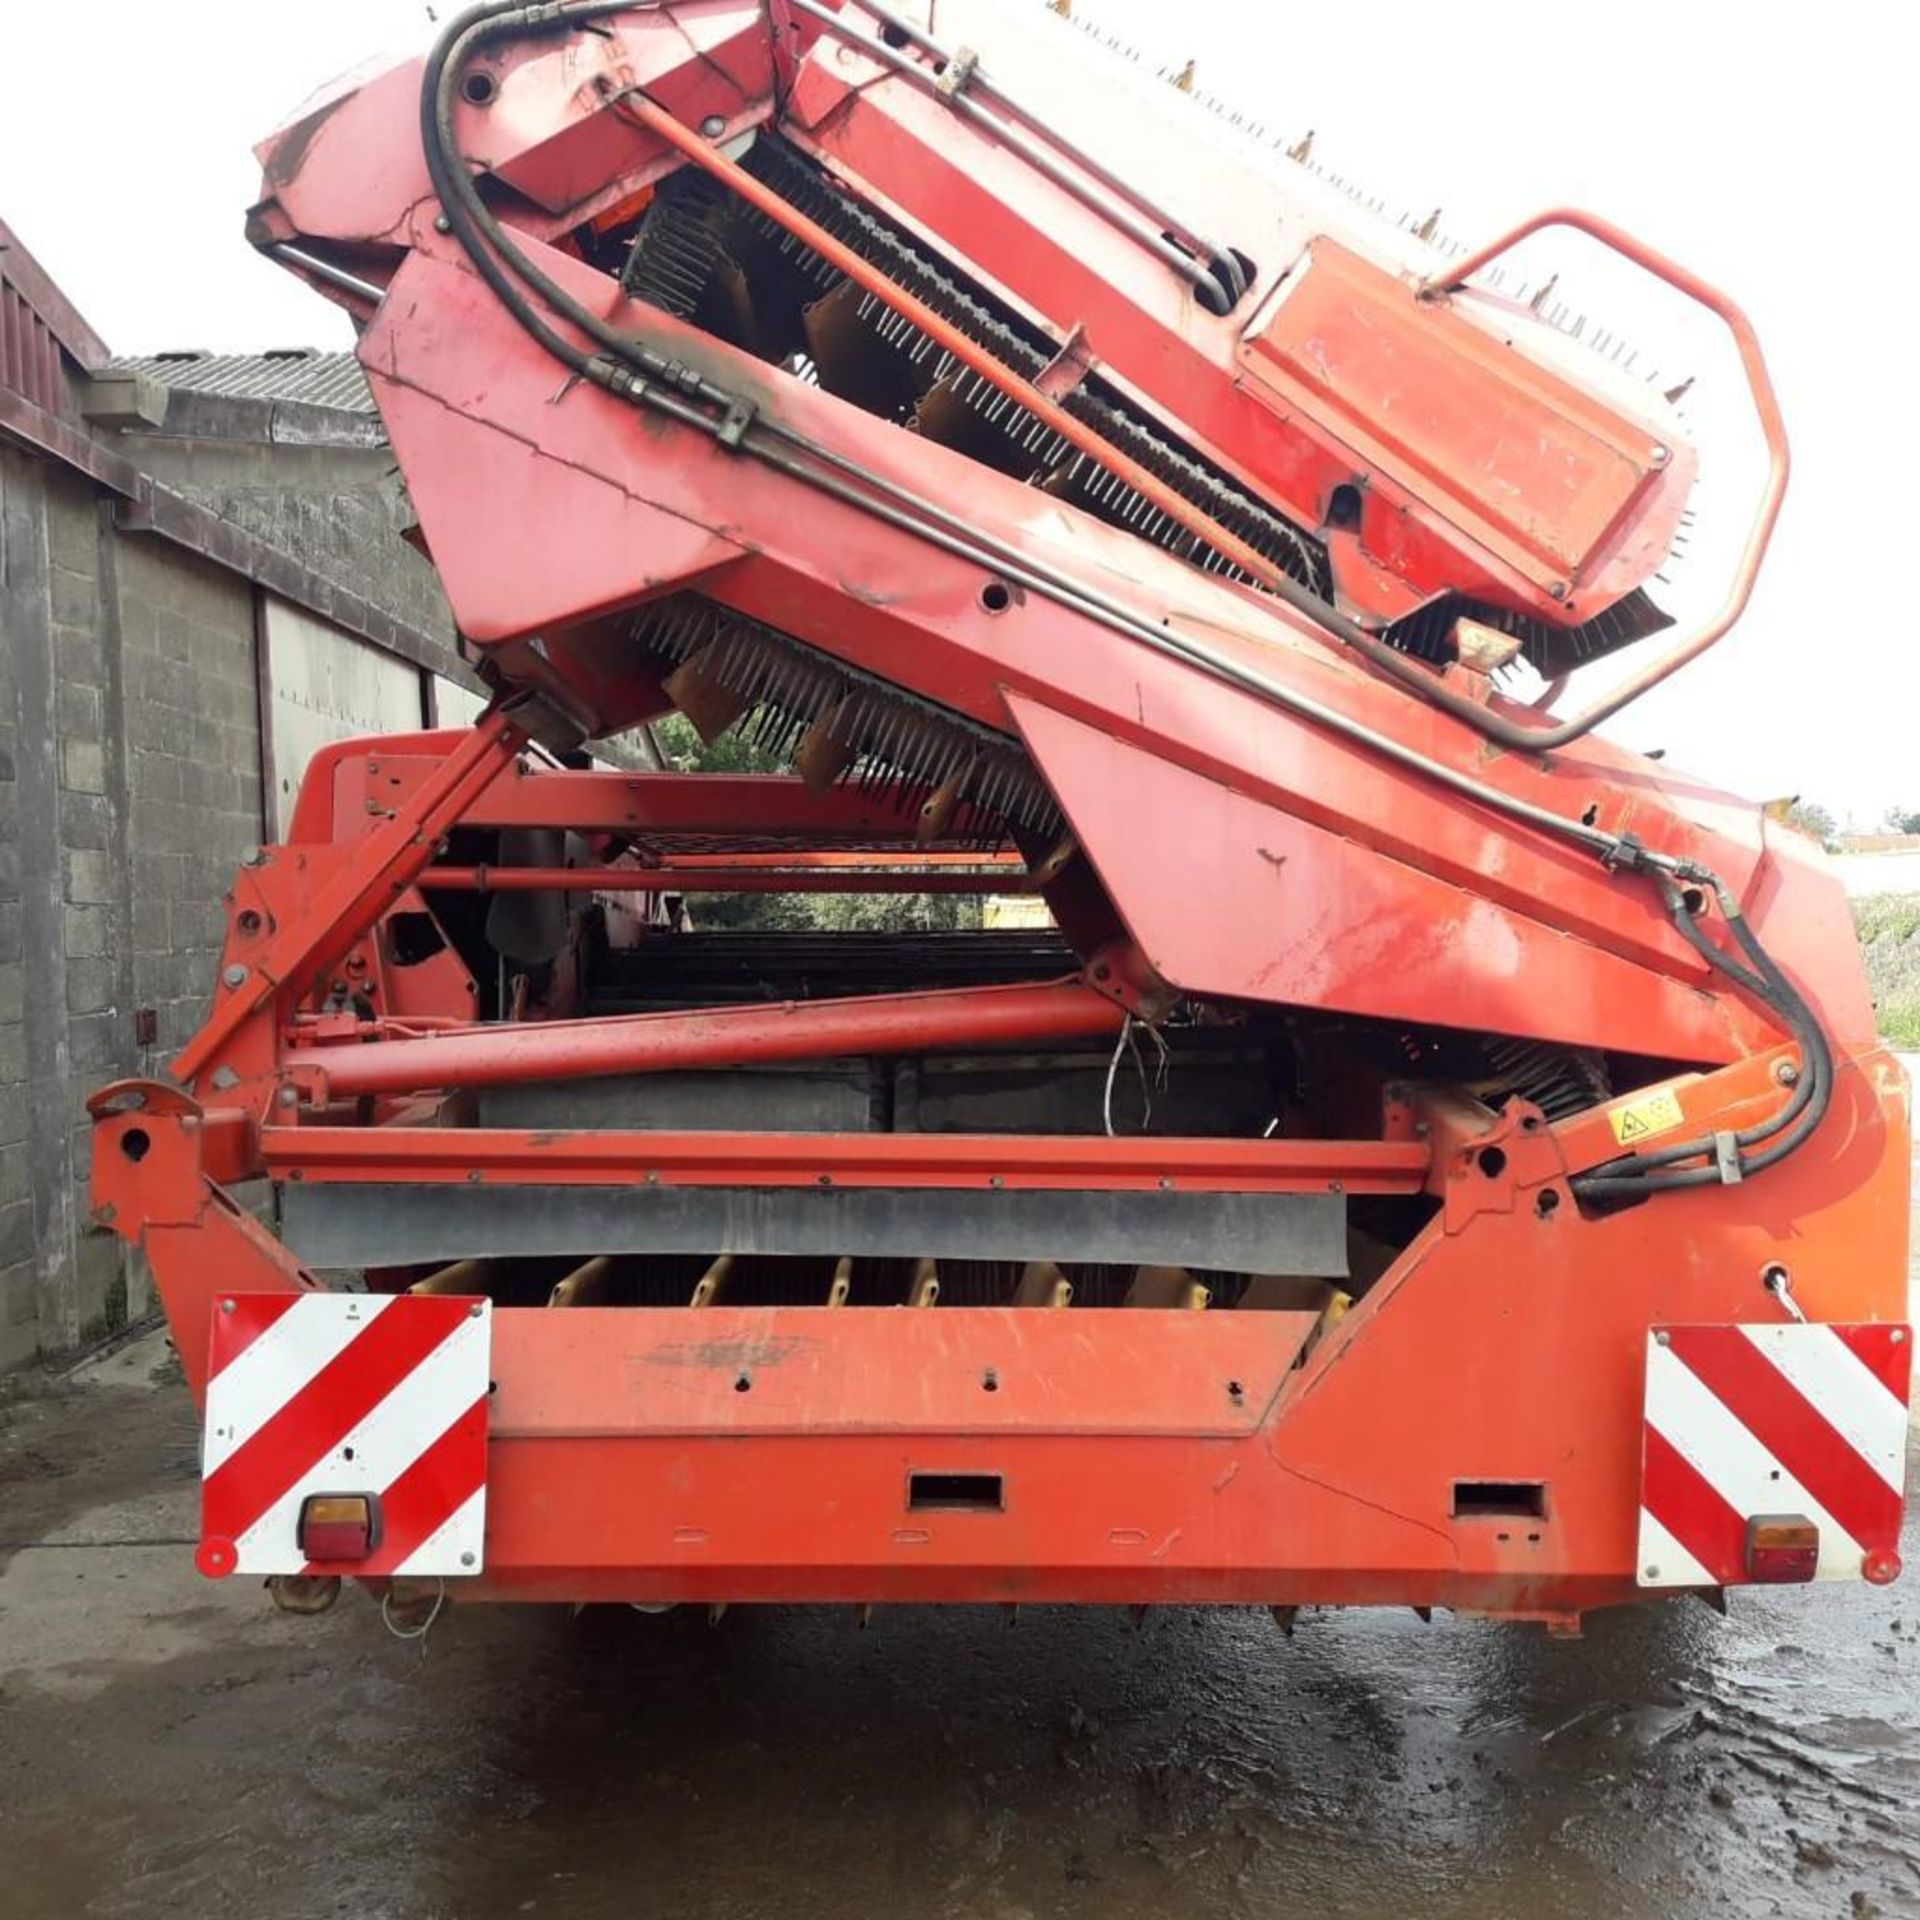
column 800, row 912
column 1904, row 820
column 1812, row 818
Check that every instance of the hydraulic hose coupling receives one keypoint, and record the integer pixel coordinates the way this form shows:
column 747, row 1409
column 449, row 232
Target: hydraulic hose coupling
column 618, row 380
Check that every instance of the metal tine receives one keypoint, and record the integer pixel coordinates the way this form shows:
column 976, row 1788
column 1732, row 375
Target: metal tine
column 585, row 1284
column 884, row 742
column 463, row 1276
column 899, row 745
column 713, row 1283
column 842, row 1283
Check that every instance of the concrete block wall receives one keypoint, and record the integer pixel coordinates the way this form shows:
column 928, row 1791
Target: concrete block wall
column 320, row 485
column 130, row 789
column 59, row 1282
column 192, row 731
column 21, row 572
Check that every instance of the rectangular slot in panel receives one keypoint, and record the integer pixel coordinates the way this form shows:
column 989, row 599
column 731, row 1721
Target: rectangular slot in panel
column 955, row 1493
column 1499, row 1499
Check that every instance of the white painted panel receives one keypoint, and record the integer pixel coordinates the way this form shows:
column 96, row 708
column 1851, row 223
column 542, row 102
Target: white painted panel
column 455, row 705
column 327, row 686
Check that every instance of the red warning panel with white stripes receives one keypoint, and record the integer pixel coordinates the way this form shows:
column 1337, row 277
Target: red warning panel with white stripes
column 378, row 1400
column 1748, row 1423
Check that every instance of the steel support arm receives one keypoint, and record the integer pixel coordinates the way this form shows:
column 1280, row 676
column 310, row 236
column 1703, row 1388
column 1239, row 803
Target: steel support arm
column 368, row 883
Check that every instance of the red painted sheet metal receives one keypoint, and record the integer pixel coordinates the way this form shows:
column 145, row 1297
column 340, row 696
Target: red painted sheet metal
column 1227, row 895
column 1541, row 470
column 1026, row 238
column 350, row 166
column 1510, row 1334
column 890, row 605
column 939, row 1372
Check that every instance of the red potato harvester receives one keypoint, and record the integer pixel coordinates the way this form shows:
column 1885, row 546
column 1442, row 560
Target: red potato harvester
column 1424, row 1154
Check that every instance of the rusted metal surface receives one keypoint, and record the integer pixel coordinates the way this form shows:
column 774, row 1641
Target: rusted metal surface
column 27, row 280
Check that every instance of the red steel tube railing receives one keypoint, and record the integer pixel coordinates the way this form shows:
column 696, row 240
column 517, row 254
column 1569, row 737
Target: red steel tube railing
column 1766, row 405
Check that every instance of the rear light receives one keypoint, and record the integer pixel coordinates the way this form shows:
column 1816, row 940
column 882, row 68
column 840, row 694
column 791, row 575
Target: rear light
column 338, row 1526
column 1782, row 1548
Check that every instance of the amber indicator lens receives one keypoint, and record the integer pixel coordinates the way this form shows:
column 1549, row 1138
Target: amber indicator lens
column 1781, row 1548
column 338, row 1526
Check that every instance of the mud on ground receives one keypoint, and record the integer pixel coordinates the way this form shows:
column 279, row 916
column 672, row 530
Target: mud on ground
column 168, row 1746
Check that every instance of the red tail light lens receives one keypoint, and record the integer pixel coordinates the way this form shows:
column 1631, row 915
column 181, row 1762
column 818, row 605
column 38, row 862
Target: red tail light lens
column 1782, row 1548
column 339, row 1526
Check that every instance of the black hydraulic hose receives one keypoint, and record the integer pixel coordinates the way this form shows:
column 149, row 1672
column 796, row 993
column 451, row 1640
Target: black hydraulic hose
column 642, row 375
column 467, row 215
column 1795, row 1119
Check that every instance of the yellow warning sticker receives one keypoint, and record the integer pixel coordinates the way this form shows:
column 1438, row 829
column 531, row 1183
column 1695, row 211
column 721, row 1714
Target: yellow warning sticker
column 1641, row 1119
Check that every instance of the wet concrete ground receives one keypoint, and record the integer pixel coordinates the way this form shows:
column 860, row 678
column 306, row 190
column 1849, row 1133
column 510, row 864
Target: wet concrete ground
column 172, row 1747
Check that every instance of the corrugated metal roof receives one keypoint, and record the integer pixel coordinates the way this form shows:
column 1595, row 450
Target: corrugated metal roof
column 300, row 374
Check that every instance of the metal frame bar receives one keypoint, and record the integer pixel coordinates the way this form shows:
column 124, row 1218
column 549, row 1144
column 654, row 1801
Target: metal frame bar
column 1193, row 267
column 373, row 876
column 1074, row 431
column 500, row 1054
column 1127, row 1163
column 719, row 878
column 768, row 806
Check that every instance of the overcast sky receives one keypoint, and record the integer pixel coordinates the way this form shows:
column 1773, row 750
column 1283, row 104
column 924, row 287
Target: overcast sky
column 1772, row 149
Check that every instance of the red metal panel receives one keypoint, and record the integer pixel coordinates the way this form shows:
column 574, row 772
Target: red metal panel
column 941, row 1372
column 351, row 168
column 1318, row 919
column 1026, row 237
column 1509, row 1337
column 715, row 61
column 1539, row 469
column 890, row 605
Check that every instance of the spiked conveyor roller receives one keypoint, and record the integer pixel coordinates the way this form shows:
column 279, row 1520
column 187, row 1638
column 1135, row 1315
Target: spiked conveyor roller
column 702, row 253
column 1029, row 448
column 1558, row 1080
column 1551, row 649
column 678, row 245
column 831, row 722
